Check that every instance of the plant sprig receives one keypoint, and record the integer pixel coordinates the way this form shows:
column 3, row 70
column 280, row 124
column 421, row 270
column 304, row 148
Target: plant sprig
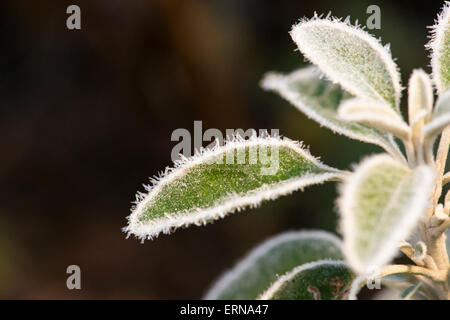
column 388, row 203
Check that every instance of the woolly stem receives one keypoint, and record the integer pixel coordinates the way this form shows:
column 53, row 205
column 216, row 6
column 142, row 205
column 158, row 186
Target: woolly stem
column 436, row 275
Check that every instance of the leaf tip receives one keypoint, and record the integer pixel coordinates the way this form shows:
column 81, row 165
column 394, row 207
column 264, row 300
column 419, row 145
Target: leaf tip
column 437, row 42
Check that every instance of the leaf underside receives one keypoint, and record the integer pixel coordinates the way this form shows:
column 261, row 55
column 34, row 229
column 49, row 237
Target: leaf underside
column 380, row 205
column 280, row 254
column 318, row 98
column 200, row 190
column 374, row 114
column 321, row 280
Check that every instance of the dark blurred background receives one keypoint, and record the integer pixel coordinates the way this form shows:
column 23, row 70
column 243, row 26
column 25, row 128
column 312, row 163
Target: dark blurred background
column 86, row 116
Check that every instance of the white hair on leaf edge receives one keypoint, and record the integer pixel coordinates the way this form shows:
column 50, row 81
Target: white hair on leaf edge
column 375, row 114
column 279, row 83
column 437, row 34
column 201, row 216
column 413, row 212
column 269, row 293
column 231, row 275
column 355, row 30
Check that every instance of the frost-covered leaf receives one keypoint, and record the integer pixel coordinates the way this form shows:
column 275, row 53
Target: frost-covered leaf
column 216, row 182
column 441, row 116
column 351, row 57
column 440, row 50
column 380, row 204
column 320, row 280
column 276, row 256
column 374, row 114
column 318, row 98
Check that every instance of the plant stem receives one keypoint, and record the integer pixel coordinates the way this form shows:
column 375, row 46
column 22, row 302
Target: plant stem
column 428, row 151
column 436, row 275
column 394, row 151
column 438, row 231
column 436, row 244
column 441, row 159
column 446, row 178
column 410, row 154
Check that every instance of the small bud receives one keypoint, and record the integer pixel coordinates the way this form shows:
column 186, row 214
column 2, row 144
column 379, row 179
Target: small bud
column 420, row 251
column 406, row 248
column 420, row 104
column 420, row 98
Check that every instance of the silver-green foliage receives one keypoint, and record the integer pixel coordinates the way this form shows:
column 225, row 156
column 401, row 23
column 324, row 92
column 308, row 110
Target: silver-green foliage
column 276, row 256
column 387, row 200
column 318, row 280
column 380, row 196
column 224, row 179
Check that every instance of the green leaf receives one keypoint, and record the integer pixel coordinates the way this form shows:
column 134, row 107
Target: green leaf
column 351, row 57
column 319, row 99
column 380, row 205
column 440, row 50
column 216, row 182
column 276, row 256
column 320, row 280
column 376, row 115
column 441, row 117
